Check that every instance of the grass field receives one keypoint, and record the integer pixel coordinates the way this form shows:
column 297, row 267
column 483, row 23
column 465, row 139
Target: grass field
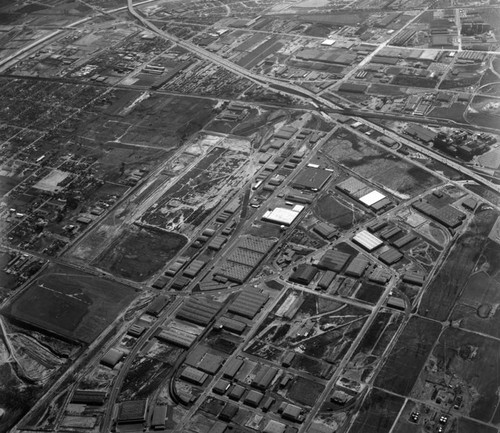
column 370, row 293
column 441, row 294
column 140, row 252
column 408, row 356
column 72, row 304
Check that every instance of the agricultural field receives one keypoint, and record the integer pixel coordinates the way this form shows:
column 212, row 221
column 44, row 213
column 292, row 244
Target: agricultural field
column 333, row 209
column 71, row 304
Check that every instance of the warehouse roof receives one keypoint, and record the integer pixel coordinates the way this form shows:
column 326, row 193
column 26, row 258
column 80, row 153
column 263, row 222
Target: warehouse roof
column 193, row 375
column 248, row 303
column 325, row 230
column 380, row 275
column 414, row 278
column 311, row 178
column 157, row 305
column 326, row 279
column 199, row 311
column 368, row 241
column 211, row 363
column 281, row 215
column 112, row 357
column 236, row 392
column 274, row 427
column 232, row 368
column 405, row 240
column 264, row 377
column 132, row 411
column 376, row 226
column 372, row 198
column 389, row 232
column 304, row 274
column 231, row 325
column 390, row 256
column 351, row 185
column 357, row 267
column 253, row 398
column 221, row 386
column 334, row 260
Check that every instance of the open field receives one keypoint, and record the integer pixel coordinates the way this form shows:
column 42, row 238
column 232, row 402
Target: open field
column 408, row 356
column 305, row 391
column 331, row 209
column 378, row 413
column 140, row 252
column 377, row 166
column 440, row 295
column 71, row 304
column 476, row 308
column 463, row 354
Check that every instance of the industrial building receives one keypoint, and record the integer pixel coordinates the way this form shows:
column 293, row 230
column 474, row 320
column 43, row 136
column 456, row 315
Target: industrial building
column 304, row 274
column 193, row 375
column 156, row 307
column 405, row 240
column 210, row 363
column 244, row 258
column 232, row 368
column 221, row 386
column 334, row 260
column 326, row 279
column 248, row 303
column 264, row 377
column 229, row 412
column 357, row 267
column 325, row 230
column 180, row 334
column 230, row 325
column 283, row 216
column 311, row 178
column 236, row 392
column 132, row 412
column 446, row 215
column 113, row 356
column 89, row 397
column 390, row 256
column 159, row 416
column 414, row 278
column 253, row 398
column 198, row 311
column 379, row 275
column 367, row 241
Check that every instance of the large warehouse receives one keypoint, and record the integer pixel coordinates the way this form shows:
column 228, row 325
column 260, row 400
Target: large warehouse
column 366, row 240
column 283, row 216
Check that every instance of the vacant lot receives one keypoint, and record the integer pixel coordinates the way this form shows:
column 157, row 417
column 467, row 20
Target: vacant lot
column 140, row 252
column 330, row 209
column 441, row 294
column 408, row 356
column 70, row 303
column 378, row 413
column 378, row 166
column 305, row 391
column 476, row 308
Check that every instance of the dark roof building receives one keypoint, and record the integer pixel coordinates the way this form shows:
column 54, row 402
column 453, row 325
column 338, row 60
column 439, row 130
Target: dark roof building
column 311, row 178
column 190, row 374
column 133, row 411
column 232, row 368
column 89, row 397
column 253, row 398
column 264, row 377
column 304, row 274
column 357, row 266
column 229, row 412
column 248, row 303
column 198, row 311
column 390, row 256
column 326, row 279
column 334, row 260
column 236, row 392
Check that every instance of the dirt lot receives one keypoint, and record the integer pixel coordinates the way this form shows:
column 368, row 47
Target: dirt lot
column 70, row 303
column 305, row 391
column 331, row 209
column 140, row 252
column 440, row 295
column 408, row 356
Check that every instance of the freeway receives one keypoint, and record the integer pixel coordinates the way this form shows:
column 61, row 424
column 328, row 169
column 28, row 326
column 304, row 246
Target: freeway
column 315, row 100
